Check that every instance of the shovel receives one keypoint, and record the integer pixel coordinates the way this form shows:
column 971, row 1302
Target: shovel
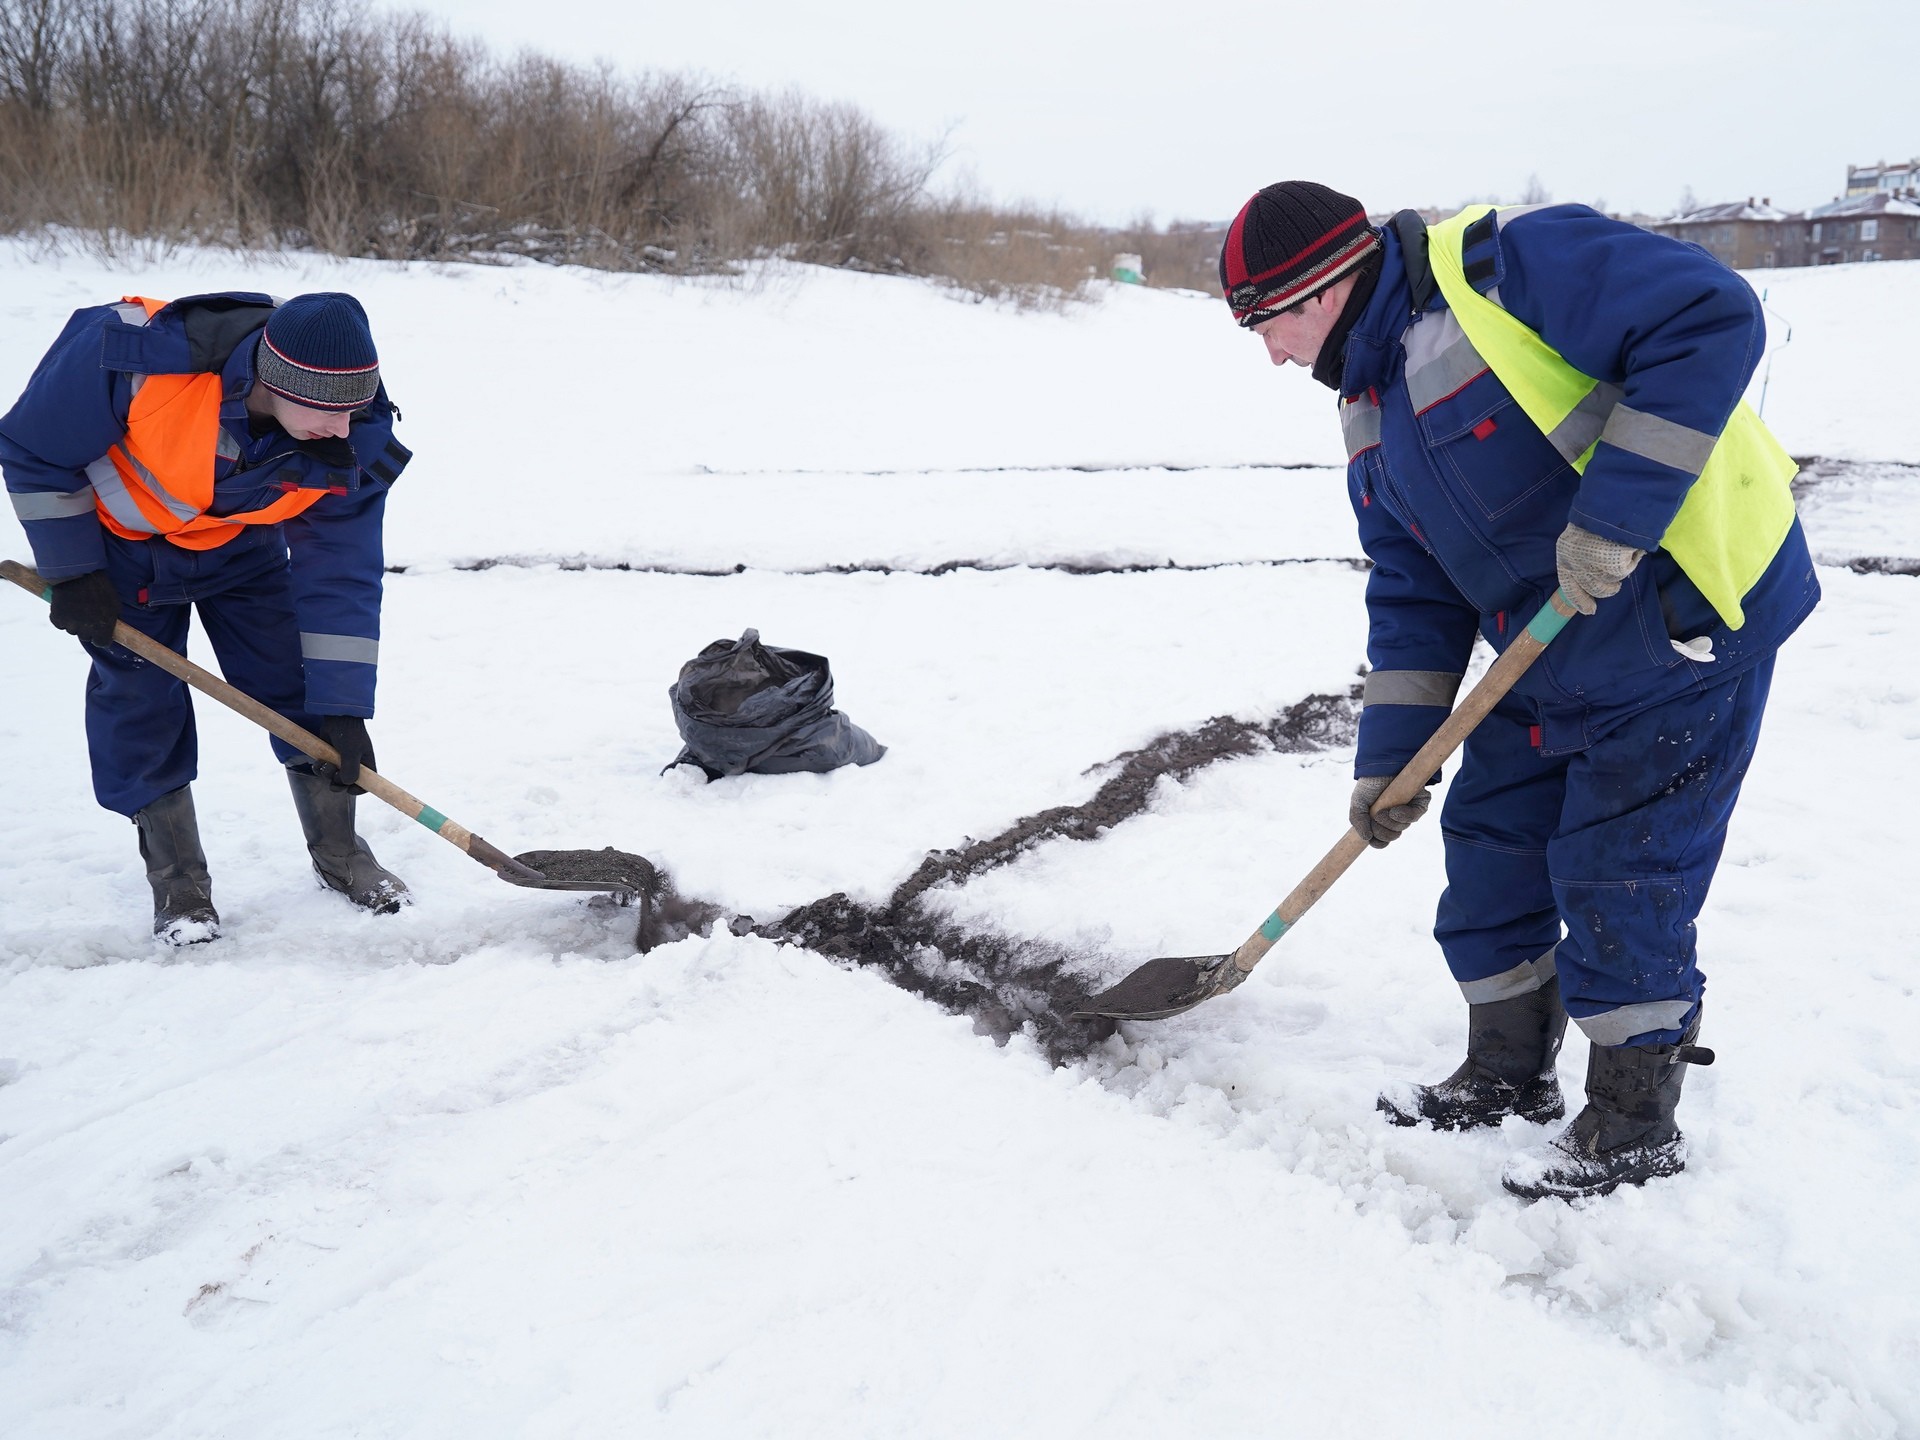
column 609, row 870
column 1173, row 985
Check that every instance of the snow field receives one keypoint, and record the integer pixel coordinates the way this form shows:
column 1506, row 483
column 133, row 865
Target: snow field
column 477, row 1169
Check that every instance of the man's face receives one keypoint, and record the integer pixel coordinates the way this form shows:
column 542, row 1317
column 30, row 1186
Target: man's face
column 1296, row 334
column 303, row 423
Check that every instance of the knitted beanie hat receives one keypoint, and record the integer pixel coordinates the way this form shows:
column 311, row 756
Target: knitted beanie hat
column 1289, row 242
column 318, row 352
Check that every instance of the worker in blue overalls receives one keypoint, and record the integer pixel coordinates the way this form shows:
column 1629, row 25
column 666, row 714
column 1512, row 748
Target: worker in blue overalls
column 1591, row 807
column 229, row 454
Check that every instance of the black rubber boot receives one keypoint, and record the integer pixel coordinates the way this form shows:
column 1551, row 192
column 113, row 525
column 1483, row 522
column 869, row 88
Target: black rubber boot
column 1511, row 1048
column 340, row 857
column 183, row 912
column 1626, row 1135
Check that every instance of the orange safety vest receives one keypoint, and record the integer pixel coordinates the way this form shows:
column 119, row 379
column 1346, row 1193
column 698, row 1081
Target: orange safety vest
column 159, row 479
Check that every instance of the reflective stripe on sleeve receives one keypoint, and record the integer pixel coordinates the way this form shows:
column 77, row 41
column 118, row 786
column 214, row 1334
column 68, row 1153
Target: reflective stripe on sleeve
column 354, row 649
column 53, row 504
column 1576, row 434
column 1411, row 687
column 1523, row 979
column 1653, row 438
column 1616, row 1027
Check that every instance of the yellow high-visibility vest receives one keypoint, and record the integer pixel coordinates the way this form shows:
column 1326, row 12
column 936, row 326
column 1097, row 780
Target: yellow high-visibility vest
column 1737, row 513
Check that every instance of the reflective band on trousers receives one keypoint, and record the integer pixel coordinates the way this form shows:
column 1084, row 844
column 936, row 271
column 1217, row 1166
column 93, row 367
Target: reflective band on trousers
column 1411, row 687
column 1523, row 979
column 1617, row 1027
column 1360, row 424
column 53, row 504
column 355, row 649
column 1441, row 361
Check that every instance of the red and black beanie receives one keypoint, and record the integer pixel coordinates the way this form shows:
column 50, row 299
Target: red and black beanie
column 1287, row 243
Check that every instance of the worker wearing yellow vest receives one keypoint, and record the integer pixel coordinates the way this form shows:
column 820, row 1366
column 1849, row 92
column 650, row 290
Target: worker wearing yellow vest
column 231, row 454
column 1533, row 398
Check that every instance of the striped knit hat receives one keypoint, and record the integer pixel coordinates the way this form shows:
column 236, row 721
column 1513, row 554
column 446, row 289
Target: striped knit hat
column 318, row 352
column 1289, row 242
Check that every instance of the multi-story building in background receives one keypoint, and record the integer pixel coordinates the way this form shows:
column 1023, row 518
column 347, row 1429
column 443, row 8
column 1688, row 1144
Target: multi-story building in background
column 1866, row 179
column 1877, row 219
column 1748, row 235
column 1876, row 225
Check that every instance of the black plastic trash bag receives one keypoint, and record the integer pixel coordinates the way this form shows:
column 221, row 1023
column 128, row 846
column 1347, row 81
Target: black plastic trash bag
column 742, row 706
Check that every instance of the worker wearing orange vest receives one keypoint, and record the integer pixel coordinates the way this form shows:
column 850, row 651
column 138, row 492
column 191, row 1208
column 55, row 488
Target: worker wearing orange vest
column 231, row 454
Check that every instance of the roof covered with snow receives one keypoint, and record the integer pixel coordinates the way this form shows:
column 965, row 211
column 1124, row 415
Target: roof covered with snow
column 1878, row 203
column 1733, row 210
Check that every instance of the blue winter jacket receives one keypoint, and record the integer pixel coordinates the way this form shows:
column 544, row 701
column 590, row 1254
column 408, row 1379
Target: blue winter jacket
column 75, row 407
column 1461, row 499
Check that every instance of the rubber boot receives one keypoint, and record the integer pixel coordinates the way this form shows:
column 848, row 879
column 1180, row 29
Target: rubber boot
column 1626, row 1135
column 183, row 912
column 1509, row 1069
column 340, row 857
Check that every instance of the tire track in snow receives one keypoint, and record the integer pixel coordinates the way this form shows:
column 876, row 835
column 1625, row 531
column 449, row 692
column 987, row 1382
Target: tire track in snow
column 944, row 567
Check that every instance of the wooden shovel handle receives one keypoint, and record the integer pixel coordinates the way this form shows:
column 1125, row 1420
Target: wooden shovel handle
column 297, row 736
column 1413, row 777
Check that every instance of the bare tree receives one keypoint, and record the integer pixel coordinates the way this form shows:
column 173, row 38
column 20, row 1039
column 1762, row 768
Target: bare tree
column 329, row 123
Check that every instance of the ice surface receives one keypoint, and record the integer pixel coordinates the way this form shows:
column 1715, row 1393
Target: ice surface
column 476, row 1169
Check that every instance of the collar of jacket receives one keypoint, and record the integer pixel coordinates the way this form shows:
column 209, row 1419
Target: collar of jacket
column 1373, row 354
column 1332, row 358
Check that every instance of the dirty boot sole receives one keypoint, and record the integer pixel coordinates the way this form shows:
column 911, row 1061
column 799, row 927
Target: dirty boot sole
column 1554, row 1173
column 1476, row 1102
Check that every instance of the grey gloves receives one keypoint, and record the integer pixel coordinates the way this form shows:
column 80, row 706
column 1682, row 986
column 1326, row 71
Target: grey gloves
column 87, row 606
column 1591, row 568
column 1383, row 829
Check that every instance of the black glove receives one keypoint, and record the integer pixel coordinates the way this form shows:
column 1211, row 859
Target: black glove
column 87, row 606
column 348, row 735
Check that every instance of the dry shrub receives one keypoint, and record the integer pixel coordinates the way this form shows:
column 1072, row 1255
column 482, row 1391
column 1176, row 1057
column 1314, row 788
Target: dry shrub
column 1182, row 256
column 324, row 123
column 1025, row 257
column 822, row 182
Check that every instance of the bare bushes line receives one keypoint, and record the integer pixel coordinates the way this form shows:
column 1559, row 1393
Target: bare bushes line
column 327, row 124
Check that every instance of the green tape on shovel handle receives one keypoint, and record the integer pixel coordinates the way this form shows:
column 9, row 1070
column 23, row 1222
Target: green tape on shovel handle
column 1549, row 622
column 1274, row 927
column 431, row 818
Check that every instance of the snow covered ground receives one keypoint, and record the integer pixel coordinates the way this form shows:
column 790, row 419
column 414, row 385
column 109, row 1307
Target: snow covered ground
column 478, row 1170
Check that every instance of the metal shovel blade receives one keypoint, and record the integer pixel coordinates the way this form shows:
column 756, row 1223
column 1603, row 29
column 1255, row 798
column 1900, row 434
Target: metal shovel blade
column 1163, row 987
column 607, row 870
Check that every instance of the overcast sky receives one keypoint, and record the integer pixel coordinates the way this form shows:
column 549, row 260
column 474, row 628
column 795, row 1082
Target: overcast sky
column 1183, row 110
